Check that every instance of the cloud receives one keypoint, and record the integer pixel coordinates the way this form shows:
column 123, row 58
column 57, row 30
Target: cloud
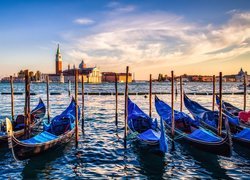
column 118, row 8
column 84, row 21
column 113, row 4
column 161, row 39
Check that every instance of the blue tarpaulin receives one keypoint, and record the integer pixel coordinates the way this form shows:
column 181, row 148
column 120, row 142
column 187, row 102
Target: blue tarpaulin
column 40, row 138
column 150, row 135
column 165, row 112
column 244, row 134
column 203, row 135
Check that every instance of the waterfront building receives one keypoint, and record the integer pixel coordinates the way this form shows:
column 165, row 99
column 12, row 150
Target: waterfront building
column 110, row 77
column 90, row 74
column 237, row 77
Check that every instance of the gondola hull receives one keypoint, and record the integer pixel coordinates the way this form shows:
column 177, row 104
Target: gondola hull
column 223, row 148
column 239, row 141
column 186, row 131
column 233, row 128
column 58, row 132
column 22, row 151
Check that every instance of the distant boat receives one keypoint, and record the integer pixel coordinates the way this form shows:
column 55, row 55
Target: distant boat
column 183, row 83
column 242, row 86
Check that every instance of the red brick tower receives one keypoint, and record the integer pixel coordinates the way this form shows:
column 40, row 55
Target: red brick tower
column 58, row 61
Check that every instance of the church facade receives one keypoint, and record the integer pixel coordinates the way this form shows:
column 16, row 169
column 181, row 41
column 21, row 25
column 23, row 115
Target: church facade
column 90, row 74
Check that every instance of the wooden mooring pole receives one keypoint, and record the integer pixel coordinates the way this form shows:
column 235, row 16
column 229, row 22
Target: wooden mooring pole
column 172, row 104
column 245, row 93
column 69, row 88
column 126, row 108
column 76, row 110
column 181, row 95
column 150, row 95
column 220, row 106
column 27, row 104
column 48, row 106
column 116, row 100
column 12, row 98
column 83, row 102
column 214, row 80
column 176, row 91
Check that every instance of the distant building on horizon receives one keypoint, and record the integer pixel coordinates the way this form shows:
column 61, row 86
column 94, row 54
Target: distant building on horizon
column 121, row 77
column 91, row 74
column 237, row 77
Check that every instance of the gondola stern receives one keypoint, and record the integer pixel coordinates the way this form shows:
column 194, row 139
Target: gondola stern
column 9, row 128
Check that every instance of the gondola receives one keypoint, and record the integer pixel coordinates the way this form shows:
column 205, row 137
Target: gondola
column 228, row 108
column 209, row 119
column 145, row 129
column 58, row 132
column 18, row 125
column 187, row 130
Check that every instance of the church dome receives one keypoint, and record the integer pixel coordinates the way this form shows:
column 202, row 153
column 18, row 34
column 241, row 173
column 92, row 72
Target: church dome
column 82, row 65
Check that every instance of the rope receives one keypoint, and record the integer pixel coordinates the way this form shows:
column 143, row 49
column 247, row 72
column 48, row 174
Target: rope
column 181, row 135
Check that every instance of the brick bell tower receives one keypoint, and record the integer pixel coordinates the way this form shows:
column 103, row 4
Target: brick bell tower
column 58, row 61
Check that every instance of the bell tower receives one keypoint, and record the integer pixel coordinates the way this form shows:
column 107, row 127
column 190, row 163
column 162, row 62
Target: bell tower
column 58, row 61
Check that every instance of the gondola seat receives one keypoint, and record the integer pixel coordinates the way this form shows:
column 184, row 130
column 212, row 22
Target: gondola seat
column 149, row 135
column 244, row 134
column 202, row 135
column 40, row 138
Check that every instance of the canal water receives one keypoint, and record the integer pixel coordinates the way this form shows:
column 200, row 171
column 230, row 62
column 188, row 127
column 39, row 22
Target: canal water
column 101, row 153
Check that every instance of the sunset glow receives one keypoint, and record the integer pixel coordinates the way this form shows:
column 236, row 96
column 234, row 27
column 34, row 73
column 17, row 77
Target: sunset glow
column 193, row 37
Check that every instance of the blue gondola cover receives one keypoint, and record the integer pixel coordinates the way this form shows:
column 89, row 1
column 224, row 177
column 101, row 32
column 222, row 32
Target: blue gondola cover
column 40, row 138
column 206, row 136
column 244, row 134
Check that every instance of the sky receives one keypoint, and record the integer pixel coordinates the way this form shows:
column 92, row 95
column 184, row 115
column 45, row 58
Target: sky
column 150, row 36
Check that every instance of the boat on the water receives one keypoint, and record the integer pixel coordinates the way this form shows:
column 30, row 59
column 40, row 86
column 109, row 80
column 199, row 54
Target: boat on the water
column 18, row 125
column 188, row 131
column 209, row 119
column 145, row 129
column 59, row 131
column 228, row 108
